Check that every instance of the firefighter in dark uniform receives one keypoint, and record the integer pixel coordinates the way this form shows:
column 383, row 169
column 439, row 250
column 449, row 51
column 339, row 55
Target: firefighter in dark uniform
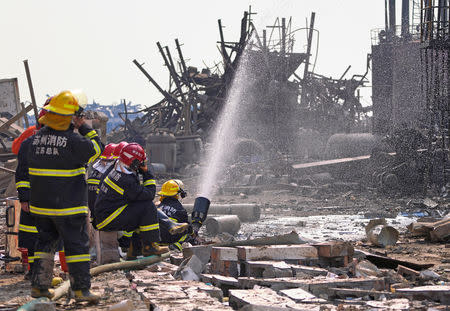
column 100, row 167
column 27, row 227
column 123, row 203
column 57, row 160
column 170, row 194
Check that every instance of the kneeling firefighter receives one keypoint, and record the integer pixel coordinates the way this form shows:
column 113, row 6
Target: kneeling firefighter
column 171, row 193
column 123, row 204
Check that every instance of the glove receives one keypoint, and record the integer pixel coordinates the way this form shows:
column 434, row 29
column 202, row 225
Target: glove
column 195, row 228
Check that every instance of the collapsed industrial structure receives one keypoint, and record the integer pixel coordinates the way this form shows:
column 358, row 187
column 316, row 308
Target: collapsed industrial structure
column 316, row 150
column 314, row 117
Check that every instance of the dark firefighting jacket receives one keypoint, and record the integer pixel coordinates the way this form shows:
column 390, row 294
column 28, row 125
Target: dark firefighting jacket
column 57, row 166
column 95, row 177
column 117, row 191
column 177, row 213
column 22, row 178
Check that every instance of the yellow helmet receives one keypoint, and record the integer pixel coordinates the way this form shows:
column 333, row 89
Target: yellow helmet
column 169, row 189
column 65, row 104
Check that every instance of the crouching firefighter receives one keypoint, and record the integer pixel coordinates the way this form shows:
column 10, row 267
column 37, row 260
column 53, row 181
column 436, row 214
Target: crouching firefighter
column 170, row 195
column 58, row 198
column 123, row 204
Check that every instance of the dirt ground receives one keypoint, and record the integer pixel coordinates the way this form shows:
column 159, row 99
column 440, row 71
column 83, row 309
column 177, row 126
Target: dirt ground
column 337, row 212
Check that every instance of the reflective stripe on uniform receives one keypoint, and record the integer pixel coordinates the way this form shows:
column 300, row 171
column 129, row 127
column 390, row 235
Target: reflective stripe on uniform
column 25, row 228
column 43, row 255
column 93, row 181
column 98, row 151
column 31, row 259
column 149, row 182
column 78, row 258
column 111, row 217
column 56, row 173
column 149, row 227
column 173, row 219
column 178, row 245
column 127, row 234
column 59, row 211
column 183, row 238
column 110, row 183
column 22, row 184
column 91, row 134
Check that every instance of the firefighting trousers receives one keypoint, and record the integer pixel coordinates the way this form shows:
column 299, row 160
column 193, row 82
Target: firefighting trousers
column 28, row 234
column 73, row 232
column 139, row 216
column 165, row 224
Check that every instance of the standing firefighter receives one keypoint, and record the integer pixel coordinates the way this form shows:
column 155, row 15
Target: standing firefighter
column 27, row 228
column 124, row 204
column 57, row 165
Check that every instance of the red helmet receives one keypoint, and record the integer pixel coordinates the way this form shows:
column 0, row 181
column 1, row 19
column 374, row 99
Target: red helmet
column 133, row 155
column 107, row 153
column 119, row 148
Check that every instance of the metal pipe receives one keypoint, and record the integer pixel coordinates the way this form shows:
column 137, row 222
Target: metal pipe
column 151, row 79
column 405, row 18
column 219, row 224
column 30, row 86
column 308, row 51
column 392, row 16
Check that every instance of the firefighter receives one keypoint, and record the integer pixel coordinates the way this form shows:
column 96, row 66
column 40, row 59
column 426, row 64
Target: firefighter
column 57, row 160
column 124, row 204
column 28, row 232
column 105, row 161
column 170, row 195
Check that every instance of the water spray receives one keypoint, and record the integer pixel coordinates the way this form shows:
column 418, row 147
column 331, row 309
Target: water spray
column 223, row 142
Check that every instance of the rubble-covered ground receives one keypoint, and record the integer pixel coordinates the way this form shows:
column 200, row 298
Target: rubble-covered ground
column 333, row 212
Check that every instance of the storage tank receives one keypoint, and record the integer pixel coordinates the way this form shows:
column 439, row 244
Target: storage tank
column 189, row 149
column 161, row 147
column 350, row 145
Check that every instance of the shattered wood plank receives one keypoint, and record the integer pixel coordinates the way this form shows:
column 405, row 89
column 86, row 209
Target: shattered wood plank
column 7, row 123
column 440, row 293
column 408, row 273
column 276, row 252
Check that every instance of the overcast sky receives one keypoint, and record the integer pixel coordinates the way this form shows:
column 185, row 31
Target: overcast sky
column 90, row 44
